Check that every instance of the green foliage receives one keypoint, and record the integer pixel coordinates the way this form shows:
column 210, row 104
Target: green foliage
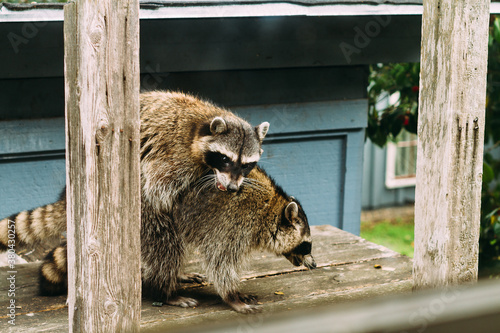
column 401, row 82
column 387, row 117
column 396, row 235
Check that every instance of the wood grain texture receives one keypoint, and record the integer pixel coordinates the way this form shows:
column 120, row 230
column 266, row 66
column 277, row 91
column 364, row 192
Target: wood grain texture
column 346, row 272
column 102, row 159
column 450, row 148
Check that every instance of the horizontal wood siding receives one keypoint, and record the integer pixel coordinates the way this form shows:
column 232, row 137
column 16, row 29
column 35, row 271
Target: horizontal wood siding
column 32, row 165
column 40, row 98
column 30, row 183
column 315, row 152
column 35, row 49
column 313, row 149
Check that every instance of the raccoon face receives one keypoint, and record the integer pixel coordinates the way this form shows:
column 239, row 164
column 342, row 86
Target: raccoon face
column 232, row 151
column 294, row 236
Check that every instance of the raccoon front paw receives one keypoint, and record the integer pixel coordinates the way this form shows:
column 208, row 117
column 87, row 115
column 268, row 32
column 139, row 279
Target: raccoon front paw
column 246, row 308
column 184, row 302
column 243, row 303
column 192, row 278
column 247, row 299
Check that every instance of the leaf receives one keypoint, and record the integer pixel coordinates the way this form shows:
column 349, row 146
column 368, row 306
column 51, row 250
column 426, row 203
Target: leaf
column 396, row 127
column 279, row 293
column 496, row 30
column 496, row 228
column 490, row 215
column 488, row 174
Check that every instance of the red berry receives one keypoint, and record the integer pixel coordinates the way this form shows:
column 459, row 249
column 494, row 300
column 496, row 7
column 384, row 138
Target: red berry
column 414, row 88
column 406, row 121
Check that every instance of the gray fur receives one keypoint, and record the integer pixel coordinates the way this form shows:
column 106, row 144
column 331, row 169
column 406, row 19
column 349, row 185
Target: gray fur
column 227, row 228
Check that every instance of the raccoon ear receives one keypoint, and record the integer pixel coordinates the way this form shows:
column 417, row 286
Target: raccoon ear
column 218, row 125
column 291, row 211
column 262, row 130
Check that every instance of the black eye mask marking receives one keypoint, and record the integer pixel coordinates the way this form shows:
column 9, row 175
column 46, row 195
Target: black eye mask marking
column 246, row 168
column 218, row 161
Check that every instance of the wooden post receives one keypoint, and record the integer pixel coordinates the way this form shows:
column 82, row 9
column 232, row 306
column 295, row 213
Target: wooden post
column 102, row 158
column 450, row 147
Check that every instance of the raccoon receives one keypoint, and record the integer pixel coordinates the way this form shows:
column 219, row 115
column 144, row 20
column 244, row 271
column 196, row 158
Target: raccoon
column 182, row 138
column 225, row 228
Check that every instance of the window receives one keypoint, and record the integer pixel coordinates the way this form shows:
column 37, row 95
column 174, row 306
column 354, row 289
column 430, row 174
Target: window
column 401, row 163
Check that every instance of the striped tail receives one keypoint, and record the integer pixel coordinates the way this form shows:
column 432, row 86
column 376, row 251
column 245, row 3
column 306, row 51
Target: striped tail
column 53, row 277
column 31, row 227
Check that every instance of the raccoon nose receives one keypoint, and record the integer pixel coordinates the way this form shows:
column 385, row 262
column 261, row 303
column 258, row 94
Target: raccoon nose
column 232, row 187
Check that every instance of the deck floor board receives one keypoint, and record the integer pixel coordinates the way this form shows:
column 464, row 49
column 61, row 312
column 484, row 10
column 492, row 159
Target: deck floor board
column 346, row 271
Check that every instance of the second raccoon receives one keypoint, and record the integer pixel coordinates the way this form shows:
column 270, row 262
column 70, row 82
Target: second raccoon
column 224, row 227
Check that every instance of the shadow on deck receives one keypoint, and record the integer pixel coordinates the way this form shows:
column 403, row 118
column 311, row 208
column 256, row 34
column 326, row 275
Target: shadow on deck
column 349, row 268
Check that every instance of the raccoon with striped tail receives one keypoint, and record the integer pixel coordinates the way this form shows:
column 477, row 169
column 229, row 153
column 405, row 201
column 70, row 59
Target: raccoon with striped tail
column 225, row 229
column 182, row 138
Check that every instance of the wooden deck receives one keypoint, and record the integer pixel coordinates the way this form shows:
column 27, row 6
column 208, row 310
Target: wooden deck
column 349, row 268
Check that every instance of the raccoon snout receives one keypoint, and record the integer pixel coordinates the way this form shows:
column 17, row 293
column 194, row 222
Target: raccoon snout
column 232, row 188
column 309, row 262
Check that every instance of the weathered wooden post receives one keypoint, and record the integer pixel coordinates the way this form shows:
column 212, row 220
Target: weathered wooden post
column 450, row 147
column 102, row 159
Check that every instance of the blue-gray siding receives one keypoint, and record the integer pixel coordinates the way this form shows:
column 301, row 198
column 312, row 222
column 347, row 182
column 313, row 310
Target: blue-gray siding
column 313, row 152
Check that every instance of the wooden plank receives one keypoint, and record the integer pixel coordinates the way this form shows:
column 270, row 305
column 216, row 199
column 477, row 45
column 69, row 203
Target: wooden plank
column 229, row 43
column 460, row 310
column 450, row 145
column 30, row 184
column 346, row 273
column 243, row 87
column 23, row 136
column 103, row 175
column 44, row 97
column 331, row 247
column 341, row 115
column 31, row 98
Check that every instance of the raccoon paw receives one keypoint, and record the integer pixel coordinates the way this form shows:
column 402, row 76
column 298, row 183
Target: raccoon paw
column 192, row 278
column 247, row 299
column 243, row 303
column 246, row 308
column 183, row 302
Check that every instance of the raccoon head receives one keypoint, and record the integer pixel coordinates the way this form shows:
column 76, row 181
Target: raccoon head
column 232, row 149
column 293, row 236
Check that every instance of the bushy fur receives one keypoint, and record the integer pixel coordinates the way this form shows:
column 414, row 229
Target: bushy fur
column 224, row 227
column 177, row 133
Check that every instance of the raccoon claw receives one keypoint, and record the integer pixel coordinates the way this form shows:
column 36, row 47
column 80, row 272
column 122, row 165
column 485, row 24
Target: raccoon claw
column 247, row 299
column 183, row 302
column 192, row 278
column 240, row 303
